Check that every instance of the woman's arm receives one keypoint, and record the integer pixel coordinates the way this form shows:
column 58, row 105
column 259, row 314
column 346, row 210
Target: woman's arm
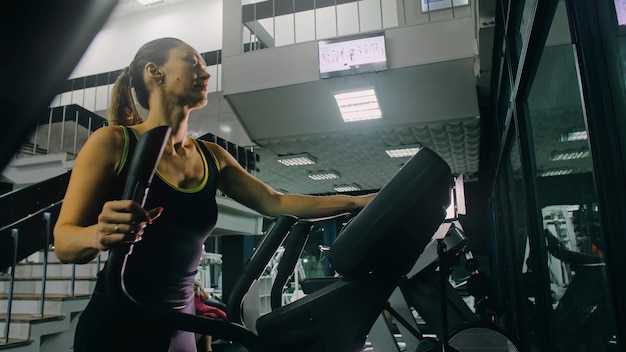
column 246, row 189
column 87, row 222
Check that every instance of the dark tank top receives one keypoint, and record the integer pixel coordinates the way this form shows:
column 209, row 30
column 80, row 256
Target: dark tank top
column 162, row 266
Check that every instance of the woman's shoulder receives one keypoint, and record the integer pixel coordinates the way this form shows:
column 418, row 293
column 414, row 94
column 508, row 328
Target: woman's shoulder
column 106, row 141
column 108, row 135
column 218, row 152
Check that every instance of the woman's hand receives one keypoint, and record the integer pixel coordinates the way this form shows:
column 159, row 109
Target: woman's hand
column 122, row 221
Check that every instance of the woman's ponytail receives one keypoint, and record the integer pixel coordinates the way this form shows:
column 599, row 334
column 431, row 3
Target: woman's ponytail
column 123, row 110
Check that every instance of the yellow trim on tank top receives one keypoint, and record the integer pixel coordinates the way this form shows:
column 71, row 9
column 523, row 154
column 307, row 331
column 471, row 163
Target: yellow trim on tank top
column 125, row 152
column 205, row 178
column 217, row 162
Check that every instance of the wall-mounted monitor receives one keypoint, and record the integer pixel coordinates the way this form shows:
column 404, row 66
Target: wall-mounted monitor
column 360, row 53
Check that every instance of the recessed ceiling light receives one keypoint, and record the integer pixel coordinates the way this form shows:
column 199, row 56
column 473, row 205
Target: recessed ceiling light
column 403, row 151
column 324, row 175
column 549, row 173
column 296, row 159
column 347, row 188
column 574, row 136
column 359, row 105
column 569, row 155
column 149, row 2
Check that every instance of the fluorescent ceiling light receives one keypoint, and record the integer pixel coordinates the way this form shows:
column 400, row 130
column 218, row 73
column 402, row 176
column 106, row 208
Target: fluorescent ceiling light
column 347, row 188
column 574, row 136
column 358, row 106
column 549, row 173
column 149, row 2
column 296, row 159
column 403, row 151
column 569, row 155
column 324, row 175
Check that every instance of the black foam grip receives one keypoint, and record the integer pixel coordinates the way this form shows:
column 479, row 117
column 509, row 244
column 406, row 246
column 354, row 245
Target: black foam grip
column 144, row 162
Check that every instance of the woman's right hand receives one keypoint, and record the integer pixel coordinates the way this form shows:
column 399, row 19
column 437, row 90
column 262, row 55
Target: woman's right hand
column 122, row 221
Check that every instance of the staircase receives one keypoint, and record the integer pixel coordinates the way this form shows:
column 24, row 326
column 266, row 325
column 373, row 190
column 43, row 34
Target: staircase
column 67, row 290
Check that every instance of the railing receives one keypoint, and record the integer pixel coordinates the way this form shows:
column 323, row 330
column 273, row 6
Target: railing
column 15, row 258
column 274, row 23
column 65, row 129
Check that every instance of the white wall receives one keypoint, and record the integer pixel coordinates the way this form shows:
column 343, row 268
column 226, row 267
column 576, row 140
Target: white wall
column 299, row 63
column 197, row 22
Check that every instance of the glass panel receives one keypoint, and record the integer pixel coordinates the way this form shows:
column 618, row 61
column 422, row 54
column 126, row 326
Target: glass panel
column 326, row 24
column 520, row 296
column 525, row 24
column 305, row 26
column 284, row 30
column 370, row 15
column 582, row 309
column 390, row 13
column 247, row 38
column 347, row 19
column 265, row 32
column 504, row 96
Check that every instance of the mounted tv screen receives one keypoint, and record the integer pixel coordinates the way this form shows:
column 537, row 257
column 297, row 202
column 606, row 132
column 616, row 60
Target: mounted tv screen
column 355, row 54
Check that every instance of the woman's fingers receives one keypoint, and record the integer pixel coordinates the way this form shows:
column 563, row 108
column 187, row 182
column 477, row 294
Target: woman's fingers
column 123, row 222
column 153, row 214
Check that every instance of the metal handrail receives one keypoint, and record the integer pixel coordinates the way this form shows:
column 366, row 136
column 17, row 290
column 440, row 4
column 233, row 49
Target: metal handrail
column 44, row 270
column 15, row 238
column 30, row 216
column 15, row 234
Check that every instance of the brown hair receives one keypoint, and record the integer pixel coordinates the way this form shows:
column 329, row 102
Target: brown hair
column 123, row 110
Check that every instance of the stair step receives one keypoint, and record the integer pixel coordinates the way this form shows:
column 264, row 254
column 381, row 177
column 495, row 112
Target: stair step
column 29, row 318
column 56, row 269
column 21, row 324
column 30, row 303
column 38, row 257
column 13, row 343
column 54, row 285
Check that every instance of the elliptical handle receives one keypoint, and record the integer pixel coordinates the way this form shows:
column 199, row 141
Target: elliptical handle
column 142, row 167
column 143, row 164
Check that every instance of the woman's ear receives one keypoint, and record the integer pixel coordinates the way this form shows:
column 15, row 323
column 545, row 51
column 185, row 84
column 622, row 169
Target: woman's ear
column 154, row 72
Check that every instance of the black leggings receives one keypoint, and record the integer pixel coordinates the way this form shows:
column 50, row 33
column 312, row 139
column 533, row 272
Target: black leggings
column 106, row 326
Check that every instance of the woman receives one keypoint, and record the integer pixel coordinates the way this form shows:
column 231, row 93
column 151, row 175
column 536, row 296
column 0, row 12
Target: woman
column 200, row 297
column 169, row 79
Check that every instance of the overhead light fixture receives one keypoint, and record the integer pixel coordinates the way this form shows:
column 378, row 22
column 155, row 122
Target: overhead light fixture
column 569, row 155
column 347, row 188
column 359, row 105
column 403, row 151
column 324, row 175
column 550, row 173
column 149, row 2
column 574, row 136
column 296, row 159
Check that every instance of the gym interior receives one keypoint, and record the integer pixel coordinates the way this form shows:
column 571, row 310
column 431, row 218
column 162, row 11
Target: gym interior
column 514, row 104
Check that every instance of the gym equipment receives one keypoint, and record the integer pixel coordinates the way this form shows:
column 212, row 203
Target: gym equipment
column 293, row 247
column 372, row 253
column 423, row 288
column 141, row 171
column 427, row 285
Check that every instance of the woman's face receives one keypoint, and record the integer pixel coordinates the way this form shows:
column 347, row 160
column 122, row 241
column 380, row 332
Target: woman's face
column 185, row 79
